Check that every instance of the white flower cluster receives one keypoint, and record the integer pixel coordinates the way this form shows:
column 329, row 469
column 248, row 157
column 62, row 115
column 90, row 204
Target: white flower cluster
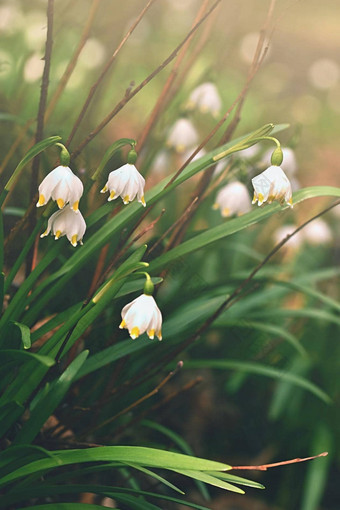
column 65, row 188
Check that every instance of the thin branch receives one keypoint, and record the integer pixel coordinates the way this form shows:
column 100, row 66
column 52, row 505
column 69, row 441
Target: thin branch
column 168, row 84
column 264, row 467
column 119, row 106
column 43, row 94
column 41, row 115
column 234, row 296
column 72, row 63
column 104, row 72
column 137, row 402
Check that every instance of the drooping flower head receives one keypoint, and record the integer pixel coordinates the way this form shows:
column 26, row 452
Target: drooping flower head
column 125, row 182
column 67, row 222
column 289, row 163
column 182, row 135
column 62, row 186
column 142, row 314
column 206, row 98
column 233, row 199
column 270, row 185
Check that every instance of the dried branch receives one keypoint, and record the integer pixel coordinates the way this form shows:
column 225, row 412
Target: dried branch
column 119, row 106
column 264, row 467
column 104, row 72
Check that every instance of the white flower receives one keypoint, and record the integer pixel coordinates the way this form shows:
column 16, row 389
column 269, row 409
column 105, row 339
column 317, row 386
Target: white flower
column 182, row 135
column 67, row 222
column 272, row 184
column 186, row 155
column 62, row 186
column 233, row 199
column 206, row 98
column 125, row 182
column 289, row 163
column 294, row 242
column 317, row 232
column 141, row 315
column 161, row 163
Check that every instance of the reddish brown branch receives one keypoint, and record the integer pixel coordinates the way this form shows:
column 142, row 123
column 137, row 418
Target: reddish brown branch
column 119, row 106
column 104, row 72
column 264, row 467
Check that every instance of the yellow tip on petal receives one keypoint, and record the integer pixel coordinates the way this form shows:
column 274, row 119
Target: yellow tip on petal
column 290, row 202
column 151, row 334
column 104, row 190
column 215, row 206
column 254, row 199
column 180, row 148
column 111, row 196
column 41, row 201
column 159, row 335
column 126, row 199
column 74, row 240
column 57, row 234
column 226, row 212
column 122, row 325
column 134, row 333
column 44, row 234
column 60, row 203
column 75, row 206
column 143, row 201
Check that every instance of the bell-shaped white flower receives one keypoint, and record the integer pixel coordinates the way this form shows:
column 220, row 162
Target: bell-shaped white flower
column 294, row 242
column 67, row 222
column 125, row 182
column 317, row 232
column 233, row 199
column 272, row 184
column 161, row 163
column 142, row 315
column 62, row 186
column 206, row 98
column 289, row 163
column 182, row 135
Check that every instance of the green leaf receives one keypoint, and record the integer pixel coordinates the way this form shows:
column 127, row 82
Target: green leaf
column 25, row 334
column 259, row 369
column 32, row 153
column 157, row 477
column 209, row 479
column 9, row 414
column 22, row 356
column 113, row 353
column 64, row 506
column 237, row 479
column 149, row 457
column 49, row 402
column 235, row 225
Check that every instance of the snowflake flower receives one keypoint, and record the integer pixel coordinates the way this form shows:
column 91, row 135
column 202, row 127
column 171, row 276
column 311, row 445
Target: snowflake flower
column 142, row 315
column 125, row 182
column 182, row 135
column 272, row 184
column 206, row 98
column 67, row 222
column 233, row 199
column 62, row 186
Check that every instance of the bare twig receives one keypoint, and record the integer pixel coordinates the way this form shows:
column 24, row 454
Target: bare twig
column 104, row 72
column 72, row 63
column 168, row 84
column 41, row 115
column 119, row 106
column 137, row 402
column 264, row 467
